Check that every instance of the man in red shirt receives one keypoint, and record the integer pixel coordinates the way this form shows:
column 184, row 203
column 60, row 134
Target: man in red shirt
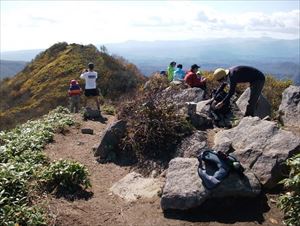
column 193, row 79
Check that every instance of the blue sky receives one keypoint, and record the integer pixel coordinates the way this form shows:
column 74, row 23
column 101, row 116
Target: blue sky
column 39, row 24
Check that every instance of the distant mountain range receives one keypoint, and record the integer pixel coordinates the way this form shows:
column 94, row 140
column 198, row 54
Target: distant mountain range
column 9, row 68
column 278, row 57
column 272, row 56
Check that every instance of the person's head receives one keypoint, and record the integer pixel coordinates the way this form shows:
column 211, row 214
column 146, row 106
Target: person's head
column 194, row 68
column 179, row 66
column 173, row 64
column 220, row 74
column 91, row 66
column 73, row 82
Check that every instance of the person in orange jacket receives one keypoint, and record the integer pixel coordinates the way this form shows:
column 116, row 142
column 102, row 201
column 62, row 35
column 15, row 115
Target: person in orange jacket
column 74, row 93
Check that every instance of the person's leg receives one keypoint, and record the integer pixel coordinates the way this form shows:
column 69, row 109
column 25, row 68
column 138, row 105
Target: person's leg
column 77, row 99
column 255, row 91
column 71, row 104
column 97, row 102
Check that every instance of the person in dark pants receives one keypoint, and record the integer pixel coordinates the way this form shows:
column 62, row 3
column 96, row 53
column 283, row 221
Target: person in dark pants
column 241, row 74
column 90, row 76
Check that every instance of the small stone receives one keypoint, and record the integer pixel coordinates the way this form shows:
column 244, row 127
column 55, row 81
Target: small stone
column 80, row 143
column 87, row 131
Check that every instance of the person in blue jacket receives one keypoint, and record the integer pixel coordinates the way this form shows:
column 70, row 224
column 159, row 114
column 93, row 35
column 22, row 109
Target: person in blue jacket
column 179, row 73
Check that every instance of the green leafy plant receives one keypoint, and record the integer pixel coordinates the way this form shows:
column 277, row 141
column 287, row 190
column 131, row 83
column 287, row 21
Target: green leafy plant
column 22, row 164
column 290, row 202
column 66, row 175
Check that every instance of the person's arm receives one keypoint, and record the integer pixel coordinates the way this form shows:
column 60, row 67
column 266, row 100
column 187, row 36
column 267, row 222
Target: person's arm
column 231, row 91
column 198, row 81
column 222, row 86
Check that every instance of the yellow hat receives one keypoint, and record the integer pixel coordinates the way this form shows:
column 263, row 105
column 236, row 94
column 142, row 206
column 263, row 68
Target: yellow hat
column 220, row 73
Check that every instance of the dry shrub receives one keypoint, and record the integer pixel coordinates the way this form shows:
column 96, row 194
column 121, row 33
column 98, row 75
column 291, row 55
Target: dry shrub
column 154, row 128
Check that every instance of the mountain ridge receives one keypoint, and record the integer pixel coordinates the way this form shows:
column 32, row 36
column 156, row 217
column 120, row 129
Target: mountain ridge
column 42, row 84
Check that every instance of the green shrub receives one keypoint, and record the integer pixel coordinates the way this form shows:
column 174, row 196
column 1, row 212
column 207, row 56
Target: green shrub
column 290, row 202
column 22, row 163
column 66, row 175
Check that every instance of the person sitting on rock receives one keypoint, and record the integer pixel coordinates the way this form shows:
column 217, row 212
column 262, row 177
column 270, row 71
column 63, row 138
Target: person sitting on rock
column 170, row 71
column 74, row 94
column 241, row 74
column 90, row 76
column 179, row 74
column 193, row 80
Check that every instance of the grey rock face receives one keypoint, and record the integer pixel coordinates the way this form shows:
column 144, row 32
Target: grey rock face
column 192, row 146
column 260, row 146
column 184, row 189
column 199, row 114
column 110, row 139
column 290, row 106
column 263, row 108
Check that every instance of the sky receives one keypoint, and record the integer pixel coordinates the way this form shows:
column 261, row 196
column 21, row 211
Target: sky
column 40, row 24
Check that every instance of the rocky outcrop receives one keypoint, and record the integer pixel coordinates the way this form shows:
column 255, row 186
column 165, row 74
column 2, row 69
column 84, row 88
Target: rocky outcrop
column 263, row 107
column 184, row 189
column 193, row 145
column 179, row 96
column 110, row 139
column 134, row 186
column 289, row 108
column 199, row 114
column 260, row 146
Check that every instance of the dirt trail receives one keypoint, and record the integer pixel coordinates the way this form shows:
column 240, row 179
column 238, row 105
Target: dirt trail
column 104, row 208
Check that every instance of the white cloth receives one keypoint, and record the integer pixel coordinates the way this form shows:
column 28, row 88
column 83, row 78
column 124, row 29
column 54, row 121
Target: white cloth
column 90, row 79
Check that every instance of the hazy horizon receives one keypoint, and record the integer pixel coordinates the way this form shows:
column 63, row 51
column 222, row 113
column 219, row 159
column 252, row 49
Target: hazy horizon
column 27, row 25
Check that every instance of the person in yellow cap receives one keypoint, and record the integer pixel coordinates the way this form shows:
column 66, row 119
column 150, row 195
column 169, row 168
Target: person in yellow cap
column 241, row 74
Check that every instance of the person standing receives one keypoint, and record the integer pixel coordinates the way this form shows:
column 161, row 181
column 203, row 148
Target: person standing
column 74, row 94
column 241, row 74
column 170, row 71
column 90, row 76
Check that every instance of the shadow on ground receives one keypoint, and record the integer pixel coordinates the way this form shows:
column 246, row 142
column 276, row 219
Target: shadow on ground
column 226, row 211
column 78, row 193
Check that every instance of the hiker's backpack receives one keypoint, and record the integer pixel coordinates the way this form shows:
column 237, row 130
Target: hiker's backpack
column 91, row 114
column 223, row 163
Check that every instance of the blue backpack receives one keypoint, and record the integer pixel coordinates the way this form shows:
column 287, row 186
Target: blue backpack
column 218, row 166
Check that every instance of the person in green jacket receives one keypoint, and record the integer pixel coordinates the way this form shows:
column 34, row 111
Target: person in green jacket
column 170, row 71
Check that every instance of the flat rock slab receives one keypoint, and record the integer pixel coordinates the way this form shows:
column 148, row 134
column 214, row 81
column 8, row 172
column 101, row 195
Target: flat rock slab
column 184, row 189
column 134, row 186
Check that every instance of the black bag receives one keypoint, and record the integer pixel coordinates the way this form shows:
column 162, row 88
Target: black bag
column 91, row 114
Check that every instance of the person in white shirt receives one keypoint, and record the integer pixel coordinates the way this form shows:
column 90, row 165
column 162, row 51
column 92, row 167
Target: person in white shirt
column 90, row 76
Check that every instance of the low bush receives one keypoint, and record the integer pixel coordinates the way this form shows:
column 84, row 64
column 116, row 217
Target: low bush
column 66, row 175
column 154, row 127
column 290, row 202
column 22, row 167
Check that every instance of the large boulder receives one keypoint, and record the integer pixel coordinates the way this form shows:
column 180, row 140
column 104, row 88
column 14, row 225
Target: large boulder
column 199, row 114
column 110, row 139
column 179, row 96
column 184, row 189
column 134, row 186
column 260, row 146
column 263, row 107
column 290, row 106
